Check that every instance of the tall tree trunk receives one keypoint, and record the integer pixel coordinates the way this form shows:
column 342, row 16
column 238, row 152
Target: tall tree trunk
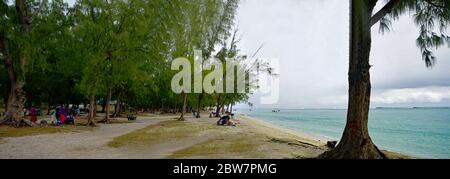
column 183, row 110
column 95, row 108
column 92, row 108
column 108, row 99
column 115, row 108
column 356, row 142
column 222, row 111
column 231, row 108
column 217, row 110
column 199, row 105
column 16, row 96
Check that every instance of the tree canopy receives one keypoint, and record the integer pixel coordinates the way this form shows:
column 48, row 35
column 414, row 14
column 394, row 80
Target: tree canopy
column 101, row 51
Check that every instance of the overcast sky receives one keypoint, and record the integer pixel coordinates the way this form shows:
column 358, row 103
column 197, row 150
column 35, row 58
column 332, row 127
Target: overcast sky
column 311, row 37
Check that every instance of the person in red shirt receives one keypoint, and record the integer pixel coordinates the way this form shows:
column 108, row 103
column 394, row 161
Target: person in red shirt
column 33, row 114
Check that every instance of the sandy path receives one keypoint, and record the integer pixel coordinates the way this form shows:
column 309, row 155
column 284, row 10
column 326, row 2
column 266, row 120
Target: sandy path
column 88, row 144
column 94, row 144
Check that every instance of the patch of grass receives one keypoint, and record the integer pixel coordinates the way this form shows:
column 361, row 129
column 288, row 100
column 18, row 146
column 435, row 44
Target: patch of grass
column 120, row 122
column 6, row 131
column 166, row 130
column 116, row 121
column 239, row 146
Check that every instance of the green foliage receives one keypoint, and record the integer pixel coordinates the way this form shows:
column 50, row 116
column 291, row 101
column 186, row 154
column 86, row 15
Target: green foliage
column 76, row 52
column 431, row 16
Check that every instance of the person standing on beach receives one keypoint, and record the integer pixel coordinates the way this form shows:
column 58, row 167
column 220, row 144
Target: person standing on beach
column 33, row 114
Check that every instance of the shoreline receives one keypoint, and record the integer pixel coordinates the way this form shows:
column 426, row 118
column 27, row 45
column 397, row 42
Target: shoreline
column 317, row 140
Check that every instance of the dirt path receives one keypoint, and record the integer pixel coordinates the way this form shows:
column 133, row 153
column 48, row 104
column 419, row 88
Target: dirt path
column 89, row 144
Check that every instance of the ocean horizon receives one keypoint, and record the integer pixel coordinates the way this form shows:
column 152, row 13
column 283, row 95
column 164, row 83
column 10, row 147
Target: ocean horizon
column 419, row 132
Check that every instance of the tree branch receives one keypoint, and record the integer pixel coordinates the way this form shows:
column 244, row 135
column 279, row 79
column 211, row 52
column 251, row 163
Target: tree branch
column 41, row 5
column 434, row 4
column 384, row 11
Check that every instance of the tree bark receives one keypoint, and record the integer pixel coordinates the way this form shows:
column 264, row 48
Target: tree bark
column 183, row 111
column 91, row 116
column 95, row 109
column 16, row 96
column 356, row 142
column 108, row 99
column 199, row 105
column 117, row 108
column 222, row 111
column 217, row 110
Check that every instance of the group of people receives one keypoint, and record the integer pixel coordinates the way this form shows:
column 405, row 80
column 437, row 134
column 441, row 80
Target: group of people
column 65, row 116
column 60, row 115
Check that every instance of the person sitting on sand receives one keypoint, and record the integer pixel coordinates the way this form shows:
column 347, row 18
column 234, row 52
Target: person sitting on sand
column 226, row 121
column 223, row 120
column 70, row 120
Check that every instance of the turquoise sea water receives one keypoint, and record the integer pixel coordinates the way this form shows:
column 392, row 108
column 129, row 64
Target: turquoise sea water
column 421, row 133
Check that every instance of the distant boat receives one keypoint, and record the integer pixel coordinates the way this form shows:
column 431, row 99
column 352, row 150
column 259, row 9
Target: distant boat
column 276, row 110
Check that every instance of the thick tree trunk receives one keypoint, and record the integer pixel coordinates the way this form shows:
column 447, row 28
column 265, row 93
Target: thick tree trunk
column 91, row 116
column 183, row 110
column 108, row 99
column 231, row 108
column 16, row 97
column 356, row 142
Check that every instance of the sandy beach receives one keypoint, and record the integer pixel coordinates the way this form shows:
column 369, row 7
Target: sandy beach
column 202, row 138
column 162, row 136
